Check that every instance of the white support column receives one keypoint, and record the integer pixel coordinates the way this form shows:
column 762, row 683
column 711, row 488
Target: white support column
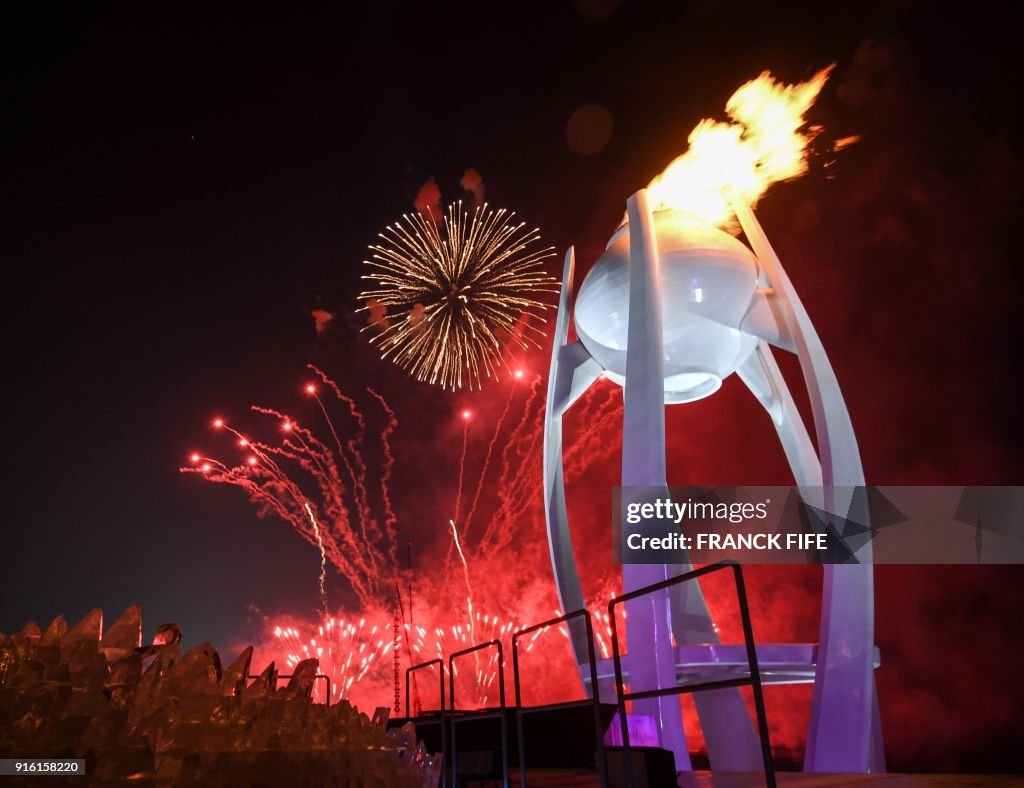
column 572, row 372
column 651, row 658
column 844, row 734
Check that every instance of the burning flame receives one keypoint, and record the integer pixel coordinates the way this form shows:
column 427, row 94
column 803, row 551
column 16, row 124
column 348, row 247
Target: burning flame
column 763, row 145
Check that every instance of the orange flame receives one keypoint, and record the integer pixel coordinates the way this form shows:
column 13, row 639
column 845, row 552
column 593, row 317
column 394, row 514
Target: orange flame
column 763, row 145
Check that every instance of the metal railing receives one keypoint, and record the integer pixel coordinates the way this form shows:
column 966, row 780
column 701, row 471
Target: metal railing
column 753, row 680
column 408, row 716
column 595, row 700
column 480, row 714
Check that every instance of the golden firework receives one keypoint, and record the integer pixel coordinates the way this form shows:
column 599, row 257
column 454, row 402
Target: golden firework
column 450, row 296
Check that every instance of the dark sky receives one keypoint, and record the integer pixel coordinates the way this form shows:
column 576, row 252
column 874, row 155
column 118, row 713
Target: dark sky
column 183, row 186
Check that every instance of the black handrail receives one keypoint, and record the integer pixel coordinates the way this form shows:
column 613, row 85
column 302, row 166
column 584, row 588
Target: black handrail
column 754, row 680
column 408, row 716
column 596, row 695
column 501, row 700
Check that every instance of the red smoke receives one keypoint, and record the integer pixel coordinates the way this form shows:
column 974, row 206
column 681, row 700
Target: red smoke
column 322, row 321
column 473, row 184
column 428, row 200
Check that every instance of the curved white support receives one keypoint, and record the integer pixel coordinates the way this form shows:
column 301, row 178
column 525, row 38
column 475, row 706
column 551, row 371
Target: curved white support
column 762, row 376
column 571, row 374
column 844, row 734
column 764, row 319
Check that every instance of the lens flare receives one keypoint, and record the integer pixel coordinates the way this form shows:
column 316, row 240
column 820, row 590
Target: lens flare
column 456, row 293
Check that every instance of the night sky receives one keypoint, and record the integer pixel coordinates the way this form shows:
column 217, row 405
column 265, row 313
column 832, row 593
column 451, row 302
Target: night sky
column 184, row 187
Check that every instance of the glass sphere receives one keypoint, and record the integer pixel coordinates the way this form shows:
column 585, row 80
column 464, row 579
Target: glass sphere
column 707, row 280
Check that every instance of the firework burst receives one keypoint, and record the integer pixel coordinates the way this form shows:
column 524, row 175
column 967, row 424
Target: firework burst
column 347, row 651
column 476, row 675
column 457, row 292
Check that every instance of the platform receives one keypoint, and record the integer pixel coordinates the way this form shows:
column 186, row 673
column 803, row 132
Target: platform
column 779, row 663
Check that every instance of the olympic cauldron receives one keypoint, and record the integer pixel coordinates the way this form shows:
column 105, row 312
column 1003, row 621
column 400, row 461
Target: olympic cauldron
column 671, row 308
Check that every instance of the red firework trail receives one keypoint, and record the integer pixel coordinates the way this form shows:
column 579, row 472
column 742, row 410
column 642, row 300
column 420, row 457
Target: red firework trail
column 323, row 555
column 520, row 467
column 458, row 493
column 355, row 466
column 315, row 458
column 487, row 457
column 297, row 479
column 519, row 480
column 462, row 461
column 597, row 442
column 390, row 518
column 294, row 467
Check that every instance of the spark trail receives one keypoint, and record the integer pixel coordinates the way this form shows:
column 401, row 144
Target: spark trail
column 390, row 518
column 319, row 491
column 462, row 460
column 458, row 490
column 465, row 572
column 348, row 652
column 487, row 457
column 323, row 556
column 352, row 458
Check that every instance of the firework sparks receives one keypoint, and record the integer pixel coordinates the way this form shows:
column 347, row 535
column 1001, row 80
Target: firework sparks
column 457, row 292
column 295, row 467
column 440, row 642
column 300, row 480
column 348, row 652
column 356, row 466
column 485, row 466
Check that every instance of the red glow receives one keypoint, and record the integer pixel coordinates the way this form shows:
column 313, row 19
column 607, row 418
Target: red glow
column 218, row 423
column 251, row 460
column 243, row 442
column 519, row 373
column 206, row 467
column 466, row 414
column 310, row 388
column 194, row 458
column 287, row 426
